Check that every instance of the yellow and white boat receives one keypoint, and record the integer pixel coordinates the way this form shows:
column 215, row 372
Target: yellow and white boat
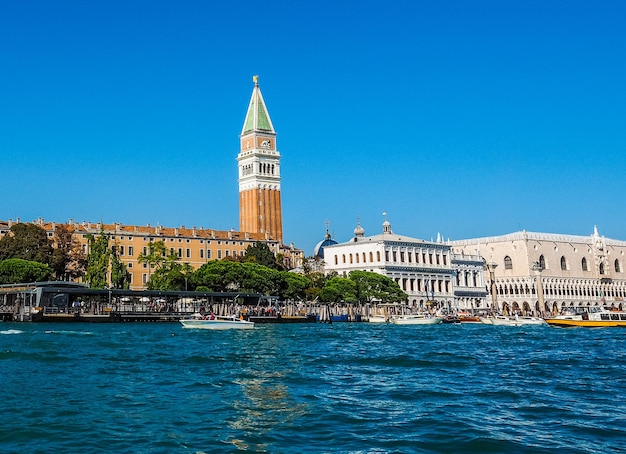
column 590, row 317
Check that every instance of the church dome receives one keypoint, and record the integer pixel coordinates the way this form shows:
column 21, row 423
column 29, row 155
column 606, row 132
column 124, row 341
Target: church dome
column 319, row 248
column 359, row 231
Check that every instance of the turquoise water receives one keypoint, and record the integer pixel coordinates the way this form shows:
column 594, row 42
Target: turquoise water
column 316, row 388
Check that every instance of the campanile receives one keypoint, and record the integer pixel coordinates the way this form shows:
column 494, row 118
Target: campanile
column 259, row 172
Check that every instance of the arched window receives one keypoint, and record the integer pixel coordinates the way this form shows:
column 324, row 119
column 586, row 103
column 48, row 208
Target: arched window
column 563, row 263
column 508, row 263
column 542, row 262
column 378, row 256
column 371, row 257
column 601, row 268
column 584, row 264
column 343, row 256
column 618, row 268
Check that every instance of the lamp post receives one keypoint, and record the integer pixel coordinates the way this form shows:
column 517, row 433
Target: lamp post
column 537, row 268
column 491, row 267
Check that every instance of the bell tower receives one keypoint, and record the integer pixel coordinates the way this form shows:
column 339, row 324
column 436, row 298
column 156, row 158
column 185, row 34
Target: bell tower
column 259, row 172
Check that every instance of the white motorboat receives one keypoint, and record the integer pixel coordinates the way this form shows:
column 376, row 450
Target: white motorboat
column 377, row 319
column 216, row 322
column 516, row 320
column 416, row 319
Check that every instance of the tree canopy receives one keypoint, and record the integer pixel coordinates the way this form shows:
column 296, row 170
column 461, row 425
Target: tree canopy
column 28, row 242
column 261, row 253
column 14, row 271
column 167, row 272
column 68, row 259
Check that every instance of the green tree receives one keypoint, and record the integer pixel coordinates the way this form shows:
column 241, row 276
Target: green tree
column 169, row 273
column 14, row 271
column 297, row 286
column 120, row 277
column 260, row 253
column 26, row 241
column 68, row 259
column 376, row 287
column 97, row 260
column 339, row 289
column 220, row 276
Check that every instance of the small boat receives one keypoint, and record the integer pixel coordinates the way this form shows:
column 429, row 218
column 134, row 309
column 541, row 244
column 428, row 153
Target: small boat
column 377, row 319
column 416, row 319
column 591, row 317
column 216, row 322
column 516, row 320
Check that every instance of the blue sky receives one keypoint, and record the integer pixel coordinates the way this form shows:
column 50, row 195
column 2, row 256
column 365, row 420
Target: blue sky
column 466, row 118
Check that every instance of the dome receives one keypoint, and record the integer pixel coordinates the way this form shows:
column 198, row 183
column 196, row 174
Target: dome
column 359, row 231
column 319, row 248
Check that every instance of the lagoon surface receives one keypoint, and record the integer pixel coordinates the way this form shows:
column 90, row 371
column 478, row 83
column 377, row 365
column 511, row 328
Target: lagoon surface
column 314, row 388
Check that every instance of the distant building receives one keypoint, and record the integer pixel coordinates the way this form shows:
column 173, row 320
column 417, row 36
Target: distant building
column 427, row 271
column 544, row 272
column 195, row 246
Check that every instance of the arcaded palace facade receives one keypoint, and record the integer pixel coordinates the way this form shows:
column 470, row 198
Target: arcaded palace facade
column 429, row 272
column 259, row 210
column 543, row 272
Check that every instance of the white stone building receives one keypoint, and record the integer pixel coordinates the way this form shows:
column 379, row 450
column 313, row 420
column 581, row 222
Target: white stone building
column 573, row 270
column 427, row 271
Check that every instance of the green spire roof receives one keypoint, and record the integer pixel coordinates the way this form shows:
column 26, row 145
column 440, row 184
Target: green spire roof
column 257, row 118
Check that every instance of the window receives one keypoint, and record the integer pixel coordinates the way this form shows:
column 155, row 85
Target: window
column 508, row 263
column 121, row 250
column 542, row 262
column 219, row 254
column 618, row 268
column 563, row 263
column 131, row 251
column 144, row 278
column 130, row 264
column 371, row 257
column 378, row 256
column 584, row 264
column 188, row 253
column 601, row 268
column 201, row 253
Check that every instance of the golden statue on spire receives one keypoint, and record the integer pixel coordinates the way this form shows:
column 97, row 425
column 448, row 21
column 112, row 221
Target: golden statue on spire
column 256, row 80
